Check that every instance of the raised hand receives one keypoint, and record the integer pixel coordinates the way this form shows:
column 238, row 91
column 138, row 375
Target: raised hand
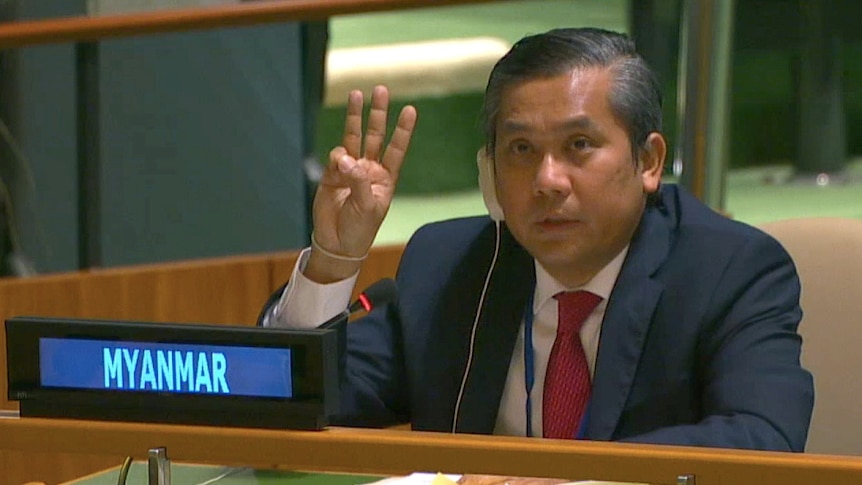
column 356, row 189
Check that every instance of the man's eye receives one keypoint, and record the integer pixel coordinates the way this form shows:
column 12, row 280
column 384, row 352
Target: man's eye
column 520, row 148
column 579, row 144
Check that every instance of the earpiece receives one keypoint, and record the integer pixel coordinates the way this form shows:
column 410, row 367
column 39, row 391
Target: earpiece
column 469, row 366
column 489, row 194
column 487, row 184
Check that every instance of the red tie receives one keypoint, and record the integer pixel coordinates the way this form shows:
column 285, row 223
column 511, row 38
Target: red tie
column 567, row 380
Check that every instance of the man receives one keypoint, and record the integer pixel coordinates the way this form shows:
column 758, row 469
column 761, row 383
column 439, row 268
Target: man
column 687, row 319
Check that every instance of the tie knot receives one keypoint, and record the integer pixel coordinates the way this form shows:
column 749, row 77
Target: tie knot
column 574, row 308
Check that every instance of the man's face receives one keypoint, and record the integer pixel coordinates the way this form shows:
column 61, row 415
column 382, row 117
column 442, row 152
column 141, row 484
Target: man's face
column 566, row 179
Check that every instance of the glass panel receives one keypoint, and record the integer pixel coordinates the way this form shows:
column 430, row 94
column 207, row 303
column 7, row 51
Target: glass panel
column 781, row 134
column 795, row 139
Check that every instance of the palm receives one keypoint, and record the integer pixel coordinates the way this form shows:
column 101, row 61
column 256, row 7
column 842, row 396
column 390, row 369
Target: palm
column 339, row 213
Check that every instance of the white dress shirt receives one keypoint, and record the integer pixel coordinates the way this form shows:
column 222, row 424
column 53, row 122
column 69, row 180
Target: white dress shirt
column 321, row 302
column 511, row 418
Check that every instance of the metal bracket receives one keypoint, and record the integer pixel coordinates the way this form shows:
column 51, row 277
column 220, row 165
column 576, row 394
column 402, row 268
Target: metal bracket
column 158, row 467
column 685, row 480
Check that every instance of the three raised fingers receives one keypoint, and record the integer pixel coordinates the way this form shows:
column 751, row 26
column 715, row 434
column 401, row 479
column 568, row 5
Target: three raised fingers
column 375, row 134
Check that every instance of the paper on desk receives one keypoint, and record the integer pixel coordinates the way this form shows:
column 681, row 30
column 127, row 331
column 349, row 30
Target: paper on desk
column 448, row 479
column 419, row 478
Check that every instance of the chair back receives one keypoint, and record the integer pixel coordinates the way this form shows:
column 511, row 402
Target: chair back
column 828, row 256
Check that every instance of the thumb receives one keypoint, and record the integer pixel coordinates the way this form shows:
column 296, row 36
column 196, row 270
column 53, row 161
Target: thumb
column 358, row 180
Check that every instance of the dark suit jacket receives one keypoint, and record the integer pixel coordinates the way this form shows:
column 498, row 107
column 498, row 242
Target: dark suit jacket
column 698, row 344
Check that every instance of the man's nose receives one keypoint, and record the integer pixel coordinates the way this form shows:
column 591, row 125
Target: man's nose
column 551, row 177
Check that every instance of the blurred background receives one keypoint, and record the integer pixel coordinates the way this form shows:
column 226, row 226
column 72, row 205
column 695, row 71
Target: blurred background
column 767, row 176
column 207, row 143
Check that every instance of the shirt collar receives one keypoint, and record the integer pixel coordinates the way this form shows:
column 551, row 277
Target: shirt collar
column 601, row 284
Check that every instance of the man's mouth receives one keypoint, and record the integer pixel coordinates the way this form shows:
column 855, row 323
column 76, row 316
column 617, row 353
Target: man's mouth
column 552, row 223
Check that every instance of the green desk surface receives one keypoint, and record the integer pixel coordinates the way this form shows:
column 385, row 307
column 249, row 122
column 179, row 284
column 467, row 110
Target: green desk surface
column 182, row 474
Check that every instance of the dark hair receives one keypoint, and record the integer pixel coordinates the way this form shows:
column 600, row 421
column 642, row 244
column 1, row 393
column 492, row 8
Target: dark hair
column 635, row 97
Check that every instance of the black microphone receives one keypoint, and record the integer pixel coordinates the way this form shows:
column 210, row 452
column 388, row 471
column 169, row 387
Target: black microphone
column 379, row 293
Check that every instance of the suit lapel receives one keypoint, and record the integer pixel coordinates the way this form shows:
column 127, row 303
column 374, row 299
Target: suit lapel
column 512, row 281
column 625, row 325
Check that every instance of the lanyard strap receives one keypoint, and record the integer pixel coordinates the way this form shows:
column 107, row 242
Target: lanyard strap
column 530, row 375
column 529, row 370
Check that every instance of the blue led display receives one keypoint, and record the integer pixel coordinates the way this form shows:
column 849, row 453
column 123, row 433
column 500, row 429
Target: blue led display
column 165, row 367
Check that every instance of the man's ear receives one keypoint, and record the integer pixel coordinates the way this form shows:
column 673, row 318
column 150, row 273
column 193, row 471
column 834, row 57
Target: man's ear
column 651, row 161
column 488, row 185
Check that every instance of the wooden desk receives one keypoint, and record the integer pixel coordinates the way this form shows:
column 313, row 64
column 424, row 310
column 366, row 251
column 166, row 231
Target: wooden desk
column 387, row 452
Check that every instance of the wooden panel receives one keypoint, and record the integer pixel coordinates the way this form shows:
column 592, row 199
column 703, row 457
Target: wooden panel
column 220, row 290
column 382, row 262
column 22, row 467
column 81, row 29
column 401, row 452
column 229, row 291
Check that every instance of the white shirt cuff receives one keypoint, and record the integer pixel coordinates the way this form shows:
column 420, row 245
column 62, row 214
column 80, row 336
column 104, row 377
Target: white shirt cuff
column 306, row 304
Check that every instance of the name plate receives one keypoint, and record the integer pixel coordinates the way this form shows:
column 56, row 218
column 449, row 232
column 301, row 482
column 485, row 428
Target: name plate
column 173, row 373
